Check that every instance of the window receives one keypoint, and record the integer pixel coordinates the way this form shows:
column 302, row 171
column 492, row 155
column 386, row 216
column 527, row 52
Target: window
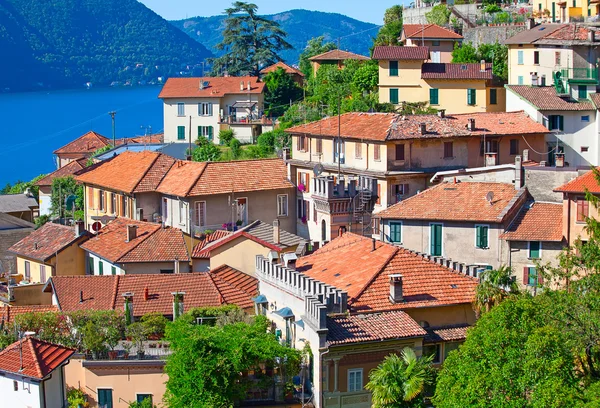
column 304, row 179
column 113, row 196
column 520, row 80
column 27, row 270
column 180, row 132
column 535, row 250
column 520, row 57
column 555, row 122
column 282, row 205
column 514, row 147
column 471, row 96
column 142, row 397
column 435, row 43
column 113, row 270
column 582, row 92
column 531, row 276
column 376, row 225
column 102, row 196
column 396, row 232
column 377, row 152
column 557, row 58
column 448, row 150
column 206, row 131
column 393, row 68
column 433, row 350
column 180, row 109
column 585, row 118
column 303, row 210
column 339, row 147
column 355, row 380
column 105, row 398
column 397, row 192
column 205, row 109
column 16, row 385
column 434, row 96
column 574, row 3
column 90, row 198
column 319, row 146
column 182, row 212
column 91, row 265
column 583, row 209
column 481, row 236
column 358, row 150
column 301, row 143
column 493, row 96
column 436, row 239
column 167, row 271
column 450, row 346
column 42, row 273
column 491, row 146
column 536, row 58
column 400, row 152
column 100, row 267
column 394, row 95
column 200, row 213
column 123, row 206
column 584, row 149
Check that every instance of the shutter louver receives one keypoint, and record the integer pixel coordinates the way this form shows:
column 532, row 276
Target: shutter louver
column 525, row 275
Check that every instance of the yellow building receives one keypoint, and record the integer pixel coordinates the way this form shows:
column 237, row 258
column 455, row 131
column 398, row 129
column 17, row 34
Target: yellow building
column 554, row 11
column 440, row 40
column 52, row 250
column 334, row 57
column 405, row 76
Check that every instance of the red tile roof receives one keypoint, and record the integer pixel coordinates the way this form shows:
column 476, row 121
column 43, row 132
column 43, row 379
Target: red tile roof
column 43, row 243
column 224, row 285
column 429, row 31
column 595, row 98
column 440, row 334
column 8, row 313
column 569, row 32
column 199, row 253
column 40, row 358
column 129, row 171
column 391, row 52
column 338, row 55
column 433, row 70
column 288, row 69
column 70, row 169
column 85, row 144
column 205, row 251
column 217, row 87
column 546, row 98
column 425, row 283
column 152, row 243
column 390, row 126
column 580, row 184
column 371, row 327
column 463, row 201
column 181, row 178
column 536, row 222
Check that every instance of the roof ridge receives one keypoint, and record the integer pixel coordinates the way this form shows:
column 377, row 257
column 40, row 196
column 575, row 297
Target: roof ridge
column 375, row 275
column 212, row 281
column 116, row 290
column 36, row 356
column 159, row 227
column 147, row 170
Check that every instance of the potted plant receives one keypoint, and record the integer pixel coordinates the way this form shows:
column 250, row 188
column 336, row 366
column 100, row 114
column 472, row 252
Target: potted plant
column 127, row 349
column 301, row 187
column 137, row 332
column 93, row 339
column 113, row 336
column 155, row 324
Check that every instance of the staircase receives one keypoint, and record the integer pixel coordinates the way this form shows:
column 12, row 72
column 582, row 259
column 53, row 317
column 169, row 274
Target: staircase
column 361, row 205
column 462, row 17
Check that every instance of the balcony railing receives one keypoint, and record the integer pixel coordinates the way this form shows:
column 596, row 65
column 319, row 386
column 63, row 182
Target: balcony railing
column 590, row 74
column 245, row 120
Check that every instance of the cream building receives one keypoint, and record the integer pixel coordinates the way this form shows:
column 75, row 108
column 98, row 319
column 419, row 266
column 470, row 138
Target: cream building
column 440, row 40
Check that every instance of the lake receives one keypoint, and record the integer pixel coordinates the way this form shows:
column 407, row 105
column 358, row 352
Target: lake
column 34, row 124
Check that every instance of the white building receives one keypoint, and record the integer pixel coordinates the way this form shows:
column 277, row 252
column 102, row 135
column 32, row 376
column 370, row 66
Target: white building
column 201, row 107
column 573, row 122
column 32, row 374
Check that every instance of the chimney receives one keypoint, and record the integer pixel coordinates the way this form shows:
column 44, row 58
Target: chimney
column 128, row 305
column 471, row 125
column 560, row 159
column 35, row 246
column 249, row 86
column 201, row 84
column 373, row 243
column 146, row 294
column 341, row 230
column 490, row 159
column 289, row 260
column 442, row 113
column 543, row 80
column 131, row 232
column 525, row 155
column 591, row 35
column 423, row 128
column 79, row 228
column 241, row 85
column 396, row 288
column 482, row 64
column 276, row 232
column 518, row 172
column 530, row 23
column 177, row 304
column 534, row 78
column 81, row 296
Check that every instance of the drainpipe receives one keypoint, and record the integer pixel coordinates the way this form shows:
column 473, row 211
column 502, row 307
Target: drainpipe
column 321, row 398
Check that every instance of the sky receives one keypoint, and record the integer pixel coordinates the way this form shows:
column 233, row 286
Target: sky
column 369, row 11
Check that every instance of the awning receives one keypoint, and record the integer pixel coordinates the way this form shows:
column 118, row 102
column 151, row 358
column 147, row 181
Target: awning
column 243, row 105
column 260, row 299
column 299, row 323
column 285, row 312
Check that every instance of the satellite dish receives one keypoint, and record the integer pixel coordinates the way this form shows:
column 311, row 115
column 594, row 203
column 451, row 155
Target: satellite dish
column 105, row 220
column 318, row 169
column 489, row 196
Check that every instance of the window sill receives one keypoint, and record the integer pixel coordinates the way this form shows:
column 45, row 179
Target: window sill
column 482, row 247
column 449, row 158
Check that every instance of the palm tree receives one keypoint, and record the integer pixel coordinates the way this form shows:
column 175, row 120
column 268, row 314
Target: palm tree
column 494, row 286
column 399, row 381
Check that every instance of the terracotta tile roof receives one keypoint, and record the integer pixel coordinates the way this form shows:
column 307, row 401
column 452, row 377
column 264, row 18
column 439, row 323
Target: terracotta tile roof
column 205, row 251
column 371, row 327
column 463, row 201
column 43, row 243
column 198, row 252
column 128, row 171
column 155, row 174
column 569, row 32
column 70, row 169
column 40, row 358
column 433, row 70
column 536, row 222
column 154, row 138
column 531, row 36
column 595, row 98
column 546, row 98
column 8, row 313
column 152, row 243
column 428, row 31
column 580, row 184
column 217, row 87
column 338, row 55
column 288, row 69
column 390, row 126
column 449, row 333
column 391, row 52
column 181, row 178
column 85, row 144
column 350, row 263
column 224, row 285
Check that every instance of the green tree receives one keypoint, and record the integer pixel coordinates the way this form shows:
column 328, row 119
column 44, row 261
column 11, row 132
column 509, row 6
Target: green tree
column 98, row 152
column 391, row 31
column 439, row 14
column 465, row 54
column 315, row 46
column 63, row 187
column 207, row 152
column 281, row 90
column 399, row 381
column 495, row 53
column 236, row 148
column 249, row 41
column 494, row 286
column 21, row 187
column 225, row 136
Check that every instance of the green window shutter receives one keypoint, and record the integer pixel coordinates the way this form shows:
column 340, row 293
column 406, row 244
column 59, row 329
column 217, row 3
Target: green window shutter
column 395, row 232
column 520, row 57
column 180, row 132
column 561, row 122
column 393, row 68
column 471, row 96
column 582, row 91
column 493, row 96
column 100, row 268
column 113, row 270
column 91, row 261
column 434, row 96
column 394, row 95
column 534, row 249
column 478, row 236
column 199, row 131
column 436, row 239
column 210, row 133
column 482, row 234
column 105, row 398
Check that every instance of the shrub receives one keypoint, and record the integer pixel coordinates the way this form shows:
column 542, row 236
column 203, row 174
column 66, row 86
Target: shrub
column 155, row 324
column 138, row 334
column 93, row 338
column 492, row 8
column 225, row 136
column 266, row 143
column 235, row 147
column 77, row 398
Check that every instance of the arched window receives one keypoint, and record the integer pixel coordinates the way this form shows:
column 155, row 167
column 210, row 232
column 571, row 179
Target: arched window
column 323, row 231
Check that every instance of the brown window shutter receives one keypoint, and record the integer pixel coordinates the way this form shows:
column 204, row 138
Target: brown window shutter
column 586, row 208
column 525, row 275
column 308, row 182
column 540, row 278
column 378, row 193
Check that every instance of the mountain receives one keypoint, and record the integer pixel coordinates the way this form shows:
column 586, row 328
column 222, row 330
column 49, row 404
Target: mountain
column 301, row 26
column 66, row 43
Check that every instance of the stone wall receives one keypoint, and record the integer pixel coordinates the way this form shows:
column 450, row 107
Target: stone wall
column 491, row 34
column 540, row 182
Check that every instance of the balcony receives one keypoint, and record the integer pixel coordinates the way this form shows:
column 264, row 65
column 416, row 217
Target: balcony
column 580, row 75
column 245, row 120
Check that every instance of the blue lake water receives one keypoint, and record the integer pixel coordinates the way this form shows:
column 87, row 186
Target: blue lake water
column 34, row 124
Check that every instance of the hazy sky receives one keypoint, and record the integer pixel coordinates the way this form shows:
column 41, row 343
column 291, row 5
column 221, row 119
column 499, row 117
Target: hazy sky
column 370, row 11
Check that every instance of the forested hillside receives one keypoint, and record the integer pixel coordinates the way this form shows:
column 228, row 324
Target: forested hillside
column 66, row 43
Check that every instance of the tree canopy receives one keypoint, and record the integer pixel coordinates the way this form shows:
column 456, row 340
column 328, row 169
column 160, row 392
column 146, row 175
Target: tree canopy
column 495, row 53
column 315, row 46
column 281, row 90
column 439, row 14
column 392, row 27
column 63, row 187
column 250, row 41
